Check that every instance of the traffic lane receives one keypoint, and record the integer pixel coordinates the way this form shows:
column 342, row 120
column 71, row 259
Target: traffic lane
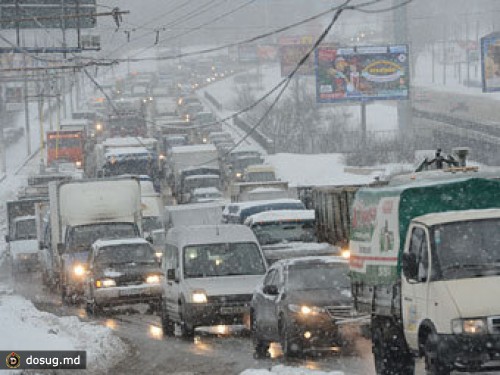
column 151, row 352
column 211, row 353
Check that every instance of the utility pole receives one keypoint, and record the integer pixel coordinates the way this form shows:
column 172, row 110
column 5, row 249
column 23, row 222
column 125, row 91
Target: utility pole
column 3, row 153
column 26, row 109
column 401, row 37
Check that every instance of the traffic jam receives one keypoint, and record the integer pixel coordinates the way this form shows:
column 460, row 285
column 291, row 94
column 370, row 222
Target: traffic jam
column 157, row 229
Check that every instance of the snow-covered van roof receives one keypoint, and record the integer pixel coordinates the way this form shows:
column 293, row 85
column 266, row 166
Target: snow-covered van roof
column 242, row 205
column 266, row 190
column 127, row 151
column 202, row 176
column 209, row 234
column 206, row 190
column 259, row 168
column 129, row 142
column 193, row 148
column 74, row 122
column 280, row 215
column 311, row 260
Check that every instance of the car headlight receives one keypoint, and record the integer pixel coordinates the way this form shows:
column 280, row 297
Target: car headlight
column 199, row 296
column 153, row 279
column 105, row 283
column 204, row 140
column 238, row 175
column 78, row 270
column 98, row 126
column 345, row 253
column 78, row 164
column 469, row 326
column 306, row 310
column 158, row 254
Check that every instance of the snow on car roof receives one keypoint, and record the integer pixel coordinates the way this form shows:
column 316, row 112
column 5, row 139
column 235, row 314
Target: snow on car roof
column 281, row 215
column 206, row 234
column 24, row 218
column 266, row 190
column 202, row 176
column 193, row 148
column 313, row 260
column 127, row 151
column 128, row 142
column 243, row 205
column 120, row 241
column 206, row 190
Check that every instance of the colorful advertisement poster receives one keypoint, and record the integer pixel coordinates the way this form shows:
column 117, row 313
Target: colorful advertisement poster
column 292, row 49
column 362, row 73
column 490, row 62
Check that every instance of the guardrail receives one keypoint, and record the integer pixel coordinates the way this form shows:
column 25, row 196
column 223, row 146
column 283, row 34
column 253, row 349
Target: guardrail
column 265, row 142
column 214, row 101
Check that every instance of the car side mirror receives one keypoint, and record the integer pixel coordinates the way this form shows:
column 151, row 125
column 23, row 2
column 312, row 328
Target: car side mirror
column 410, row 266
column 60, row 248
column 271, row 290
column 40, row 245
column 7, row 238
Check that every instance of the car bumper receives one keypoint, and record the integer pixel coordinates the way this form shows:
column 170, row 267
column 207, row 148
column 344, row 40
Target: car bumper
column 315, row 332
column 469, row 352
column 128, row 295
column 214, row 314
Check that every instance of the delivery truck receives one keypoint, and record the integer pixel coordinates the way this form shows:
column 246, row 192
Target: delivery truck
column 82, row 212
column 425, row 265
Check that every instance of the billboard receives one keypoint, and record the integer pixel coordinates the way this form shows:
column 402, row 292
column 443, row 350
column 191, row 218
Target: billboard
column 48, row 13
column 362, row 73
column 292, row 49
column 490, row 62
column 267, row 53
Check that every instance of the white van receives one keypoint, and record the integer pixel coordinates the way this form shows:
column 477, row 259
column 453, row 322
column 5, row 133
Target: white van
column 212, row 271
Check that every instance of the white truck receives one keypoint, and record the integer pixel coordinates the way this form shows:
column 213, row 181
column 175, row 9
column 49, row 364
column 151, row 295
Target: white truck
column 22, row 244
column 82, row 212
column 183, row 157
column 425, row 265
column 193, row 214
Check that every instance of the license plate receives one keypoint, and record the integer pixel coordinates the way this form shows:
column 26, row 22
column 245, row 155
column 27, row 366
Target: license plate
column 233, row 310
column 128, row 292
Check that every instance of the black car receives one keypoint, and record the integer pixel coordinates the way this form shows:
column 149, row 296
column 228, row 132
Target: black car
column 299, row 303
column 121, row 272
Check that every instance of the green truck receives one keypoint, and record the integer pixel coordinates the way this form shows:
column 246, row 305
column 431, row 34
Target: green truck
column 425, row 265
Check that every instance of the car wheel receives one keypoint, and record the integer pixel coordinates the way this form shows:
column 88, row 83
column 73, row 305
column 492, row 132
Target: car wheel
column 389, row 361
column 261, row 346
column 187, row 329
column 291, row 347
column 433, row 365
column 167, row 325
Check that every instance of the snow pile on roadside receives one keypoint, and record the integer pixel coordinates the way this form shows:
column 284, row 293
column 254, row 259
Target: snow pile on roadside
column 26, row 328
column 287, row 370
column 325, row 169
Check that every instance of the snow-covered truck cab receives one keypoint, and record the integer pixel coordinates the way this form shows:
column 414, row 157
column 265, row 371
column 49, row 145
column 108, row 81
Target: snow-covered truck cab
column 451, row 263
column 212, row 271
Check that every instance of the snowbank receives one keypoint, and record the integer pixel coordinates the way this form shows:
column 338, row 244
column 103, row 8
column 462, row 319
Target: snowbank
column 26, row 328
column 287, row 370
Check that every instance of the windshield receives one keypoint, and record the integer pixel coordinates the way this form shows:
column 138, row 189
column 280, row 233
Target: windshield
column 285, row 231
column 82, row 237
column 125, row 254
column 201, row 182
column 26, row 229
column 467, row 249
column 260, row 177
column 223, row 259
column 150, row 223
column 319, row 276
